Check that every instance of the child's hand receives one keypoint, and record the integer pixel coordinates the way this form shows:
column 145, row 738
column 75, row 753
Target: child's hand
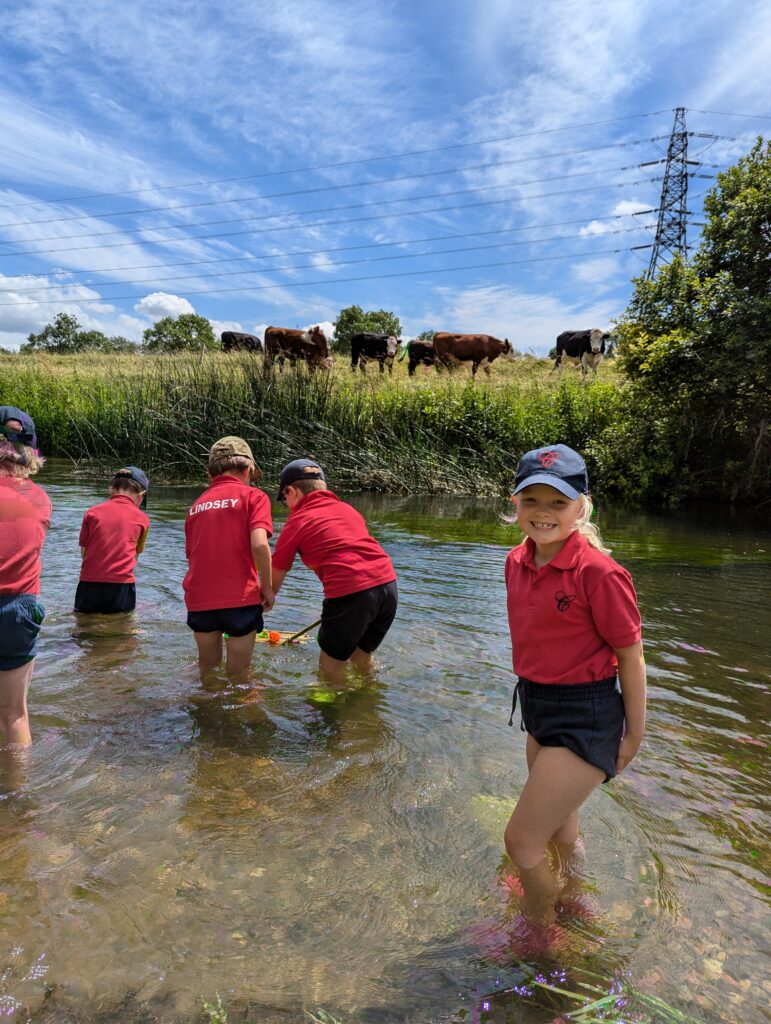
column 268, row 599
column 627, row 749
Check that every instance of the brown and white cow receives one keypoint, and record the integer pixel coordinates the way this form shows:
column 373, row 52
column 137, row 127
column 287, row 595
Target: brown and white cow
column 478, row 349
column 285, row 343
column 581, row 348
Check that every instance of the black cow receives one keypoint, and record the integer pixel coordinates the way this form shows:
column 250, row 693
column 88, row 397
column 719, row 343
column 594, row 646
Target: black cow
column 419, row 351
column 581, row 348
column 233, row 341
column 373, row 346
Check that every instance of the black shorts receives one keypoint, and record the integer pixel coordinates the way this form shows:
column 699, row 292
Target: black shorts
column 587, row 718
column 233, row 621
column 105, row 598
column 357, row 620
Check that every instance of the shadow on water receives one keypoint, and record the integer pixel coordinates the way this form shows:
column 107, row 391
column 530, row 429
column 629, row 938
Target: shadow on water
column 290, row 846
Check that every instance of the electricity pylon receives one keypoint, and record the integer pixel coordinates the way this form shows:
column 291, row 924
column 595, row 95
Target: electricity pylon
column 673, row 211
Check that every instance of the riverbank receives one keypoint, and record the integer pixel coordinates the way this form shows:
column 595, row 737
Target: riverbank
column 427, row 434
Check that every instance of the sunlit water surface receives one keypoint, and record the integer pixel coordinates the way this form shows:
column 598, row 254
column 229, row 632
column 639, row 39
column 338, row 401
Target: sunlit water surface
column 290, row 848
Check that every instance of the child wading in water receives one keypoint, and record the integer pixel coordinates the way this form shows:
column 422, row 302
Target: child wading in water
column 228, row 582
column 25, row 515
column 332, row 539
column 113, row 534
column 575, row 628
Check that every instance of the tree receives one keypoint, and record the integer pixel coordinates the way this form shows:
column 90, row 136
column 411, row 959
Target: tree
column 64, row 336
column 353, row 319
column 426, row 335
column 696, row 345
column 176, row 334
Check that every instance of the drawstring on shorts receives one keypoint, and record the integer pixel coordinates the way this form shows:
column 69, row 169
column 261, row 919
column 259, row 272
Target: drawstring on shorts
column 518, row 688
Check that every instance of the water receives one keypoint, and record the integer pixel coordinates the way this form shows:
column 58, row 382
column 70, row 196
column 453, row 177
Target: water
column 288, row 849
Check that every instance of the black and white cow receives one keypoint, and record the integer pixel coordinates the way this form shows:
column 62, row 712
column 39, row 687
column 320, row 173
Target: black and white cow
column 373, row 346
column 234, row 341
column 421, row 352
column 582, row 348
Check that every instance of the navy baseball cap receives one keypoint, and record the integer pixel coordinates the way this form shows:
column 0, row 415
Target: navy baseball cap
column 134, row 473
column 27, row 433
column 556, row 466
column 300, row 469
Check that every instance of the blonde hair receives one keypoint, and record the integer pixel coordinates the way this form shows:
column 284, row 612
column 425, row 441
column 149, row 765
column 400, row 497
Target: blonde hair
column 234, row 463
column 306, row 486
column 583, row 524
column 19, row 460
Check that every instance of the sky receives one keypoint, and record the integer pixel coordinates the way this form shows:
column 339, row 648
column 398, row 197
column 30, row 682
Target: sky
column 470, row 167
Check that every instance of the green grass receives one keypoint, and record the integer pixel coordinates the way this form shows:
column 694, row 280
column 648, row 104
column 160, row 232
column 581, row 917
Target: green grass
column 430, row 433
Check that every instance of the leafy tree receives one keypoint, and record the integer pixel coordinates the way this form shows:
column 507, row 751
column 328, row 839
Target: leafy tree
column 353, row 319
column 175, row 334
column 65, row 336
column 426, row 335
column 696, row 345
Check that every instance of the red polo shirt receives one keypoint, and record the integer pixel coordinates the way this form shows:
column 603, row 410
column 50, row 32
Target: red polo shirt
column 332, row 539
column 111, row 533
column 567, row 617
column 25, row 515
column 222, row 573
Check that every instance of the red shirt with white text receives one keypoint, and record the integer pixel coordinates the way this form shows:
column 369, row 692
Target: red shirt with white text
column 25, row 515
column 221, row 572
column 332, row 539
column 111, row 533
column 567, row 617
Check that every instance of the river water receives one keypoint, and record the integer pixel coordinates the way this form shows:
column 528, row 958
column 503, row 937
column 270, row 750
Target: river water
column 288, row 848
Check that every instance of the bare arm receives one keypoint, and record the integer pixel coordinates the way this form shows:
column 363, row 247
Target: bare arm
column 278, row 579
column 261, row 556
column 82, row 553
column 631, row 675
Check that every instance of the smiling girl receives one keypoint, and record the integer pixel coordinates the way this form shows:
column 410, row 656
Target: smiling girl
column 577, row 653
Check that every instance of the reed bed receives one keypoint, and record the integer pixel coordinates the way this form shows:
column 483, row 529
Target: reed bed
column 427, row 434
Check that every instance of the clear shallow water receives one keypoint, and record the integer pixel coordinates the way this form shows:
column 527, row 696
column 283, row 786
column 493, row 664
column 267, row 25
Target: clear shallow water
column 287, row 850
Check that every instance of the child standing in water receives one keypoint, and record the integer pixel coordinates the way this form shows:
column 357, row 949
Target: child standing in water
column 575, row 633
column 228, row 582
column 112, row 536
column 25, row 515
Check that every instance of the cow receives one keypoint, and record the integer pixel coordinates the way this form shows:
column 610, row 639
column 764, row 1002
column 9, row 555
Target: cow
column 419, row 351
column 581, row 348
column 233, row 341
column 478, row 349
column 373, row 346
column 284, row 343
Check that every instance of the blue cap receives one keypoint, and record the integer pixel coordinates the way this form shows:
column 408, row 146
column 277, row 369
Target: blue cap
column 27, row 433
column 300, row 469
column 556, row 466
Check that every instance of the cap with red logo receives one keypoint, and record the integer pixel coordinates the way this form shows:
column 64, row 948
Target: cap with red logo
column 556, row 466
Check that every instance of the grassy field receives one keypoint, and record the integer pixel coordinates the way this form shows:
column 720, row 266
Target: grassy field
column 429, row 433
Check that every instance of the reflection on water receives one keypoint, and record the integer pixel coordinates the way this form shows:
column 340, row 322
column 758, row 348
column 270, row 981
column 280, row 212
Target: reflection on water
column 289, row 846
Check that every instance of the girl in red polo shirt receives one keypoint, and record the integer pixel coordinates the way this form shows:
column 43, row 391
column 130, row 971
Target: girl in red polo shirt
column 577, row 652
column 25, row 515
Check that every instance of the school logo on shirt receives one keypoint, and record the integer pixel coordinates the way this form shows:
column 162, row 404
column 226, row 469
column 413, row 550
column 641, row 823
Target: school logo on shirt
column 563, row 600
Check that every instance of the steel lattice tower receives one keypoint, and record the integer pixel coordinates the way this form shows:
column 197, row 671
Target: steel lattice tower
column 673, row 211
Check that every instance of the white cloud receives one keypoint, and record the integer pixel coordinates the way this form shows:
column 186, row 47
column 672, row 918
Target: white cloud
column 219, row 326
column 601, row 272
column 161, row 304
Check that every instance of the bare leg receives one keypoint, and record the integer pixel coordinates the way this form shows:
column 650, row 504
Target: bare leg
column 332, row 668
column 559, row 782
column 362, row 660
column 239, row 655
column 14, row 717
column 209, row 650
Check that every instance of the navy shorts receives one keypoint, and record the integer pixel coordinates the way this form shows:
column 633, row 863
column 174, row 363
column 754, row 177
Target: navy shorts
column 357, row 620
column 587, row 718
column 20, row 619
column 105, row 598
column 233, row 621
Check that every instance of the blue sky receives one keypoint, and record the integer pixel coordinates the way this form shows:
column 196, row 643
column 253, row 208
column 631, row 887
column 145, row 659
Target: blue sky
column 221, row 110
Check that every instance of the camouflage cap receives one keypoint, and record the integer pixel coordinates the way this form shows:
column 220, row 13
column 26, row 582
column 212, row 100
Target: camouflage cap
column 230, row 447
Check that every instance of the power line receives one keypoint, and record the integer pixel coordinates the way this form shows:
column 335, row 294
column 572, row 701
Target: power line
column 333, row 188
column 328, row 223
column 728, row 113
column 349, row 280
column 341, row 163
column 340, row 248
column 340, row 263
